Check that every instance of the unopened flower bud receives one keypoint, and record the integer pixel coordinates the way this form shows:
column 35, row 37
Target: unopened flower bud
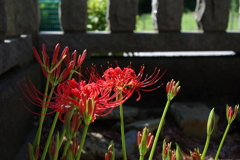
column 144, row 141
column 178, row 153
column 89, row 113
column 230, row 113
column 172, row 89
column 211, row 122
column 110, row 155
column 195, row 155
column 166, row 150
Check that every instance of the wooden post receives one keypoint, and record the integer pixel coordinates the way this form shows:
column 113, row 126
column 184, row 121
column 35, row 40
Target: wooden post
column 73, row 15
column 121, row 15
column 167, row 15
column 212, row 15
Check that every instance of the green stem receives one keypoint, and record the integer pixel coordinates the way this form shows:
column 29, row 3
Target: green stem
column 221, row 144
column 122, row 133
column 42, row 117
column 50, row 136
column 159, row 130
column 69, row 135
column 206, row 147
column 66, row 147
column 82, row 141
column 141, row 157
column 61, row 138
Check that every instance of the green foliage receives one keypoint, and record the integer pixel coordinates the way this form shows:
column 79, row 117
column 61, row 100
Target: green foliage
column 97, row 15
column 234, row 6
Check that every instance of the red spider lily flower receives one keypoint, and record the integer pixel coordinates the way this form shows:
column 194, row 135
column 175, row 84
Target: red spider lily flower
column 172, row 89
column 54, row 69
column 144, row 141
column 127, row 81
column 90, row 99
column 34, row 96
column 231, row 115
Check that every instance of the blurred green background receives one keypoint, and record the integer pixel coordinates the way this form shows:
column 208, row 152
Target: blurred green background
column 97, row 13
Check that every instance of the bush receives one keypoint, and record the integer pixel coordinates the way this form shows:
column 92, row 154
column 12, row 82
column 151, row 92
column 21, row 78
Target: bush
column 97, row 15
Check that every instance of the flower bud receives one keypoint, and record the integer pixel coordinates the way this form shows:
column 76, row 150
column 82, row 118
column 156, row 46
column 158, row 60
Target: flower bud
column 195, row 155
column 231, row 115
column 110, row 155
column 144, row 141
column 211, row 122
column 166, row 150
column 178, row 153
column 172, row 89
column 89, row 115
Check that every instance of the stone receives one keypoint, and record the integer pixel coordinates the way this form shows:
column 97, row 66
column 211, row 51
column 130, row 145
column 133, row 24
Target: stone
column 167, row 15
column 192, row 119
column 129, row 113
column 15, row 120
column 3, row 21
column 15, row 52
column 73, row 15
column 28, row 20
column 121, row 15
column 96, row 146
column 131, row 141
column 151, row 124
column 212, row 15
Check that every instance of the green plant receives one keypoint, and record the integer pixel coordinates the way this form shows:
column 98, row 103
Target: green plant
column 97, row 15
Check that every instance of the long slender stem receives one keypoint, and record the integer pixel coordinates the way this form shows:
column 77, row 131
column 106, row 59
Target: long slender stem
column 122, row 133
column 206, row 147
column 43, row 112
column 66, row 147
column 141, row 157
column 69, row 129
column 61, row 137
column 50, row 136
column 82, row 141
column 159, row 130
column 221, row 144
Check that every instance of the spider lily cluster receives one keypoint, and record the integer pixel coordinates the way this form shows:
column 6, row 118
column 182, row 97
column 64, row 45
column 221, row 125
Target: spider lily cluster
column 79, row 101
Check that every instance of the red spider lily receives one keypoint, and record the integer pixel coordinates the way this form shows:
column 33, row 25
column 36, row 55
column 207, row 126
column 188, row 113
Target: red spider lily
column 54, row 69
column 34, row 96
column 127, row 81
column 90, row 99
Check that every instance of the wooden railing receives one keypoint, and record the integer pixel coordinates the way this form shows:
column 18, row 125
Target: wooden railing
column 211, row 17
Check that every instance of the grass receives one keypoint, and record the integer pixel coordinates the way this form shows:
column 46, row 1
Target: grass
column 188, row 22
